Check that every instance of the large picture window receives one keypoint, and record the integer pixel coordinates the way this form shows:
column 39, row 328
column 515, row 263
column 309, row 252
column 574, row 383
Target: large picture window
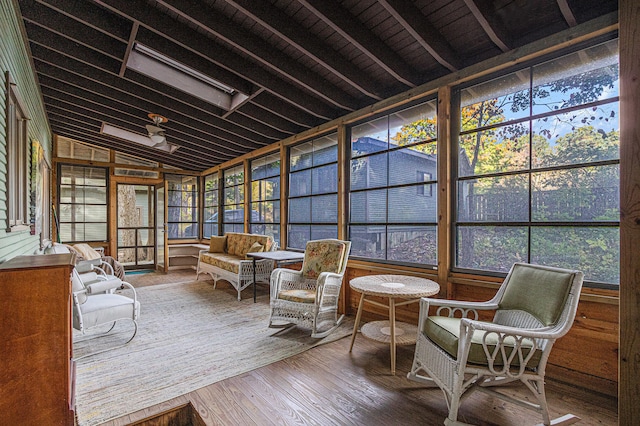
column 394, row 166
column 82, row 203
column 233, row 203
column 182, row 206
column 313, row 191
column 265, row 196
column 538, row 176
column 210, row 225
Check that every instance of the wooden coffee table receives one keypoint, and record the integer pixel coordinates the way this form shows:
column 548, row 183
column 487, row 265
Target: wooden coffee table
column 393, row 287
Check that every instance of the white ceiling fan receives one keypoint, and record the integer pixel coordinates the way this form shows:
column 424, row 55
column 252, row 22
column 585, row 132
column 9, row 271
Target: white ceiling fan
column 156, row 135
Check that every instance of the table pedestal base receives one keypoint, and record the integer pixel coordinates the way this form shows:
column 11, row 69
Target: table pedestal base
column 380, row 331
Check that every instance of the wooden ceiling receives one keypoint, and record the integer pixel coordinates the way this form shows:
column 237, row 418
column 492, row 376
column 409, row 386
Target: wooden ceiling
column 300, row 63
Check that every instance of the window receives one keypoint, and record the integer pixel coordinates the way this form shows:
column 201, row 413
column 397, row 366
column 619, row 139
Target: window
column 182, row 206
column 82, row 203
column 17, row 160
column 265, row 196
column 393, row 158
column 538, row 174
column 211, row 197
column 233, row 202
column 425, row 189
column 313, row 191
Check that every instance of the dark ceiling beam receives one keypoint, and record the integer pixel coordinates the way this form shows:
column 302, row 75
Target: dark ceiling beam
column 80, row 124
column 87, row 13
column 92, row 79
column 63, row 46
column 117, row 97
column 267, row 118
column 482, row 11
column 341, row 20
column 276, row 106
column 568, row 15
column 127, row 53
column 61, row 90
column 281, row 66
column 414, row 22
column 55, row 104
column 62, row 25
column 279, row 23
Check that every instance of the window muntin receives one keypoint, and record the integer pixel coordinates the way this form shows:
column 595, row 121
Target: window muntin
column 393, row 159
column 265, row 196
column 538, row 175
column 211, row 198
column 182, row 206
column 233, row 202
column 82, row 203
column 313, row 191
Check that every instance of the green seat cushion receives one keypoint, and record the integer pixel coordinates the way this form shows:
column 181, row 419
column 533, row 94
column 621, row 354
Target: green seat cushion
column 540, row 292
column 445, row 332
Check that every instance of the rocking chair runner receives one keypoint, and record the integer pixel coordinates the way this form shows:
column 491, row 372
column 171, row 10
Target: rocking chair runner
column 533, row 307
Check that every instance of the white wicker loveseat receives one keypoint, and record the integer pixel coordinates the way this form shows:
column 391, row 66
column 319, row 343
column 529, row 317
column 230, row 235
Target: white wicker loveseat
column 226, row 259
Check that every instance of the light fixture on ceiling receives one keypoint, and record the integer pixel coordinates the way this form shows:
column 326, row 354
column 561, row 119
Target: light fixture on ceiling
column 171, row 72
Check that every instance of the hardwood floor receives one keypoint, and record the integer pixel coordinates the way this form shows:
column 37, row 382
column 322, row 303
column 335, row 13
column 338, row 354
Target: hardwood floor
column 327, row 385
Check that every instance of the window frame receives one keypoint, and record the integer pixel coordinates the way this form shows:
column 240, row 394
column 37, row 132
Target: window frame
column 239, row 198
column 311, row 195
column 59, row 203
column 194, row 207
column 531, row 117
column 17, row 159
column 388, row 225
column 275, row 156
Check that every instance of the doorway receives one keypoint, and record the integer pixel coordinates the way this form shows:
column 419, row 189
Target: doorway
column 136, row 245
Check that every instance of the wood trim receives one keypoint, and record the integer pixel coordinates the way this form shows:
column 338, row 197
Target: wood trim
column 344, row 156
column 445, row 164
column 284, row 201
column 112, row 163
column 629, row 349
column 246, row 164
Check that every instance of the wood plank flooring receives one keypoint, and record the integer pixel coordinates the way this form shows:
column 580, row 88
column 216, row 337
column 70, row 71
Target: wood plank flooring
column 327, row 385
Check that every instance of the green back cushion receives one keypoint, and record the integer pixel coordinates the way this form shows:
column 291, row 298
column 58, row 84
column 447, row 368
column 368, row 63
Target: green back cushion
column 542, row 293
column 445, row 331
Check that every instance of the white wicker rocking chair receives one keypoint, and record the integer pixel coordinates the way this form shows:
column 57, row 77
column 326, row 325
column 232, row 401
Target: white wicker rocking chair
column 534, row 306
column 309, row 297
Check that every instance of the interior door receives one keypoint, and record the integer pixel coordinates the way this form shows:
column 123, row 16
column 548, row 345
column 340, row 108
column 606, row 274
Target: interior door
column 161, row 226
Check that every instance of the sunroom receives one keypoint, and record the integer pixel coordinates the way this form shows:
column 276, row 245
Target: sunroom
column 444, row 140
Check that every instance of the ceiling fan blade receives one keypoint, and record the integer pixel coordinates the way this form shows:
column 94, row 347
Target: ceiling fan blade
column 153, row 129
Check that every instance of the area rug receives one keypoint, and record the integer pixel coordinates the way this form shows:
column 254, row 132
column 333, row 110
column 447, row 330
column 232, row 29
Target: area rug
column 190, row 335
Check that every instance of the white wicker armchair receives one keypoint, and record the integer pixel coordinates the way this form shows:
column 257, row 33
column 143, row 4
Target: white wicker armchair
column 309, row 297
column 533, row 307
